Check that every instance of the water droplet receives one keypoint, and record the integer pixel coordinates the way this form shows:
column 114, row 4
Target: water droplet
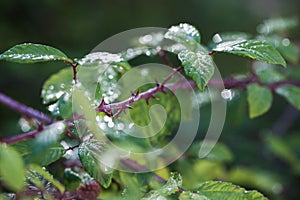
column 111, row 124
column 227, row 94
column 286, row 42
column 145, row 39
column 217, row 38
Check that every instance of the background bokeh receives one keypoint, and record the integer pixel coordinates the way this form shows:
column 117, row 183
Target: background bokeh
column 77, row 27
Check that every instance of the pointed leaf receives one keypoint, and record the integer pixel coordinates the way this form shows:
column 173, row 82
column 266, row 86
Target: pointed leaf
column 183, row 33
column 267, row 73
column 278, row 24
column 254, row 49
column 46, row 175
column 44, row 143
column 188, row 195
column 186, row 35
column 291, row 93
column 286, row 47
column 33, row 53
column 90, row 155
column 12, row 170
column 172, row 186
column 198, row 66
column 227, row 191
column 259, row 99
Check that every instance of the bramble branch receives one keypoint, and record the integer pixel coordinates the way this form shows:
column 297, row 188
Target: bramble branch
column 147, row 95
column 23, row 109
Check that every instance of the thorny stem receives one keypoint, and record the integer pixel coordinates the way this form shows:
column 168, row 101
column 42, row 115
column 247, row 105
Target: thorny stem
column 160, row 87
column 23, row 109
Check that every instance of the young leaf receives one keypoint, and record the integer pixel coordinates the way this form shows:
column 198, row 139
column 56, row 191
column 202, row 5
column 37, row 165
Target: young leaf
column 44, row 143
column 286, row 47
column 46, row 175
column 198, row 66
column 254, row 49
column 291, row 93
column 186, row 35
column 33, row 53
column 275, row 25
column 12, row 170
column 90, row 155
column 267, row 73
column 57, row 85
column 172, row 186
column 259, row 99
column 183, row 33
column 227, row 191
column 188, row 195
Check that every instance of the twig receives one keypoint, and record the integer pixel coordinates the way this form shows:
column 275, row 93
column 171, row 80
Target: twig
column 23, row 109
column 21, row 137
column 139, row 168
column 160, row 87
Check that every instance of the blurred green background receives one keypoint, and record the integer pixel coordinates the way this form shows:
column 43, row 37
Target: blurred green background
column 77, row 27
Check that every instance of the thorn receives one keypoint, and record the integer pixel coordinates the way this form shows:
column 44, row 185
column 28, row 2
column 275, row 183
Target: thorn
column 137, row 92
column 129, row 106
column 157, row 84
column 147, row 101
column 102, row 102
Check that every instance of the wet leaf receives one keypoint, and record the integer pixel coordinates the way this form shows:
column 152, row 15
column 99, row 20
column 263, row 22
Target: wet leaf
column 291, row 93
column 198, row 66
column 12, row 170
column 259, row 99
column 172, row 186
column 90, row 156
column 286, row 47
column 186, row 35
column 254, row 49
column 46, row 175
column 227, row 191
column 33, row 53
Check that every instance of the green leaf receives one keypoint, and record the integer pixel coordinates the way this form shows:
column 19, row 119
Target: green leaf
column 287, row 48
column 33, row 53
column 172, row 186
column 254, row 49
column 227, row 191
column 53, row 154
column 259, row 99
column 45, row 147
column 183, row 33
column 97, row 58
column 12, row 170
column 186, row 35
column 291, row 93
column 188, row 195
column 275, row 25
column 267, row 73
column 220, row 153
column 279, row 147
column 90, row 155
column 198, row 66
column 57, row 85
column 71, row 179
column 46, row 175
column 57, row 93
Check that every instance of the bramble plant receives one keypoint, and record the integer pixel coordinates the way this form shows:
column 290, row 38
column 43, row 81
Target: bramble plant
column 66, row 154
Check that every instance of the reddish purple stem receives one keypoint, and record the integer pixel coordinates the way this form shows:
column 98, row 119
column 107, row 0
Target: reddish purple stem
column 23, row 109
